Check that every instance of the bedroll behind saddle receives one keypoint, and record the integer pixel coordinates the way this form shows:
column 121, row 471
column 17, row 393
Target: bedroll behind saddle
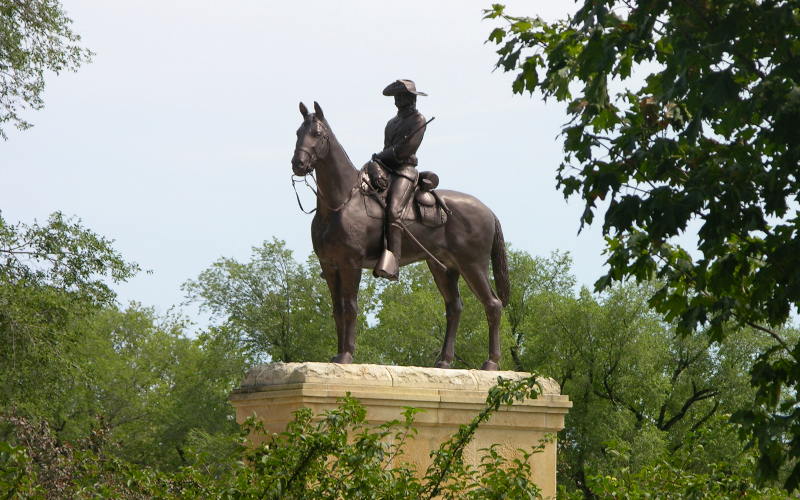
column 425, row 207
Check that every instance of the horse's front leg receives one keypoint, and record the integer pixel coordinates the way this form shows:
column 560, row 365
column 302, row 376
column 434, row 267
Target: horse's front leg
column 344, row 283
column 331, row 275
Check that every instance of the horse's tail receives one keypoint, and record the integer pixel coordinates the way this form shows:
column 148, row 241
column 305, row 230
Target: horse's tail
column 500, row 264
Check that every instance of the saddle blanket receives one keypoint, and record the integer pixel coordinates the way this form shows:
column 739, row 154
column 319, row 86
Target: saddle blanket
column 427, row 215
column 423, row 206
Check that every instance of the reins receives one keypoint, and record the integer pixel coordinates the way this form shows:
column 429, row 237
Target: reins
column 319, row 194
column 313, row 158
column 299, row 203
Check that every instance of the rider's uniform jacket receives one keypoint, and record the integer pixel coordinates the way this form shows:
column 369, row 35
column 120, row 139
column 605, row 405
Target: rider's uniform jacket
column 398, row 155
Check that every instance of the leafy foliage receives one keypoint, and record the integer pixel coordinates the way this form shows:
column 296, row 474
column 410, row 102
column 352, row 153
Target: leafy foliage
column 144, row 404
column 159, row 391
column 535, row 284
column 633, row 382
column 69, row 356
column 52, row 276
column 669, row 480
column 683, row 116
column 338, row 455
column 687, row 472
column 335, row 455
column 35, row 37
column 280, row 307
column 61, row 255
column 410, row 323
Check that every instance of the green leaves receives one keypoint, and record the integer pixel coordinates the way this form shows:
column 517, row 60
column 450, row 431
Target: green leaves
column 670, row 479
column 282, row 308
column 61, row 255
column 447, row 475
column 14, row 476
column 53, row 276
column 709, row 141
column 334, row 455
column 497, row 35
column 35, row 37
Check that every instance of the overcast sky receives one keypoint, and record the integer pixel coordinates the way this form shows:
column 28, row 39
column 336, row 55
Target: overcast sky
column 176, row 141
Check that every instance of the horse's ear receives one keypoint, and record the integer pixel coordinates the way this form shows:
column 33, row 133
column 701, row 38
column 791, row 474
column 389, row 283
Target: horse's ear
column 303, row 110
column 318, row 110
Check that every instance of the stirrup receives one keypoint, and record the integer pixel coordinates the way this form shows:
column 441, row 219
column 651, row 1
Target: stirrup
column 387, row 266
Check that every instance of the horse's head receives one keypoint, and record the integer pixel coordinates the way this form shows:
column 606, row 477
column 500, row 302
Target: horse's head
column 313, row 141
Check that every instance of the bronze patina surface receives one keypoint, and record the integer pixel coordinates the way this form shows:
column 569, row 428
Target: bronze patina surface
column 347, row 239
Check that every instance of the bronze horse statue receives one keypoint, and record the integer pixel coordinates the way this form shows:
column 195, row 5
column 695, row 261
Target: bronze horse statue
column 346, row 239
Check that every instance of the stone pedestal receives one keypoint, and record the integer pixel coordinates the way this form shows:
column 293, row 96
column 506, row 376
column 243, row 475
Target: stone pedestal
column 449, row 398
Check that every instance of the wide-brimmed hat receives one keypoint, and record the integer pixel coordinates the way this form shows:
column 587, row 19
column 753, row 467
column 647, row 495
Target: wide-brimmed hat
column 401, row 87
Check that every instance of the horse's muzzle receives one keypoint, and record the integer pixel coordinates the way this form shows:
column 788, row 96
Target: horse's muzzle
column 300, row 170
column 300, row 165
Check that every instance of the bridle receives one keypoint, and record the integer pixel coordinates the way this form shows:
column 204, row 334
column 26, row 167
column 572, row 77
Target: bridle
column 312, row 154
column 313, row 158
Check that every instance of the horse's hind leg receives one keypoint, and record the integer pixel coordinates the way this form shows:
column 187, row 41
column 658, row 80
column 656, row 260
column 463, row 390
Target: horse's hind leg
column 477, row 277
column 447, row 282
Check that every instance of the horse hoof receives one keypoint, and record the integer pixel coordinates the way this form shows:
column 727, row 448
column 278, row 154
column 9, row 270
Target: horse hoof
column 442, row 364
column 490, row 365
column 344, row 358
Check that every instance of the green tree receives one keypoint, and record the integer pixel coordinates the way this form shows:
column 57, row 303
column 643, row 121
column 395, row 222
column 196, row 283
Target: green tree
column 52, row 276
column 410, row 324
column 682, row 474
column 338, row 455
column 334, row 455
column 155, row 387
column 635, row 384
column 683, row 115
column 280, row 307
column 142, row 381
column 535, row 283
column 69, row 357
column 35, row 37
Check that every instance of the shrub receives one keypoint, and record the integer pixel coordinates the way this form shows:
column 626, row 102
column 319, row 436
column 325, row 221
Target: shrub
column 334, row 456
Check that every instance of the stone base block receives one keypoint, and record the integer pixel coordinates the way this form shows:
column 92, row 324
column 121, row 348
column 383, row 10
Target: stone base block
column 449, row 398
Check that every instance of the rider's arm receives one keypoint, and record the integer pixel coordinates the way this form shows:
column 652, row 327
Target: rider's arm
column 402, row 152
column 407, row 149
column 387, row 154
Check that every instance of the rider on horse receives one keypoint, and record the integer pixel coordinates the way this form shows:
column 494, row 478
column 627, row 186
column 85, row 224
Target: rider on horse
column 402, row 138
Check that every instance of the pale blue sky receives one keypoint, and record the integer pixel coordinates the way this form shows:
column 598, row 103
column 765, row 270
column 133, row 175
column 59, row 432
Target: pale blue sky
column 176, row 140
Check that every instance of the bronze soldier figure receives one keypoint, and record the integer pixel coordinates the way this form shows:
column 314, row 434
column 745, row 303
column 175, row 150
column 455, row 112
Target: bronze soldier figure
column 402, row 138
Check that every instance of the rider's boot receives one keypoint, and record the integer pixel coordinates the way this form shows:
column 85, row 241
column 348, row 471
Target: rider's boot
column 400, row 192
column 388, row 265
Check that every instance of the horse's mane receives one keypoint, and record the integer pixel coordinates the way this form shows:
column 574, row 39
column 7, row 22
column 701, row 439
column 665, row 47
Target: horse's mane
column 331, row 135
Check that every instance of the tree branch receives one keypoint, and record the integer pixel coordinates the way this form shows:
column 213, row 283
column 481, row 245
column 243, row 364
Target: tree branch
column 694, row 398
column 774, row 335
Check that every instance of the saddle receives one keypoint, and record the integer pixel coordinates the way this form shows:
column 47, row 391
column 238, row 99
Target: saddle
column 425, row 207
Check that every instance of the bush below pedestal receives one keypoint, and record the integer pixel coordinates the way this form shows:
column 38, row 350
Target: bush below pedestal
column 448, row 398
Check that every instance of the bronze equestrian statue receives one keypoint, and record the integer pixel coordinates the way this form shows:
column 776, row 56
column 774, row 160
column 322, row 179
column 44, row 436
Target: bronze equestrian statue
column 453, row 232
